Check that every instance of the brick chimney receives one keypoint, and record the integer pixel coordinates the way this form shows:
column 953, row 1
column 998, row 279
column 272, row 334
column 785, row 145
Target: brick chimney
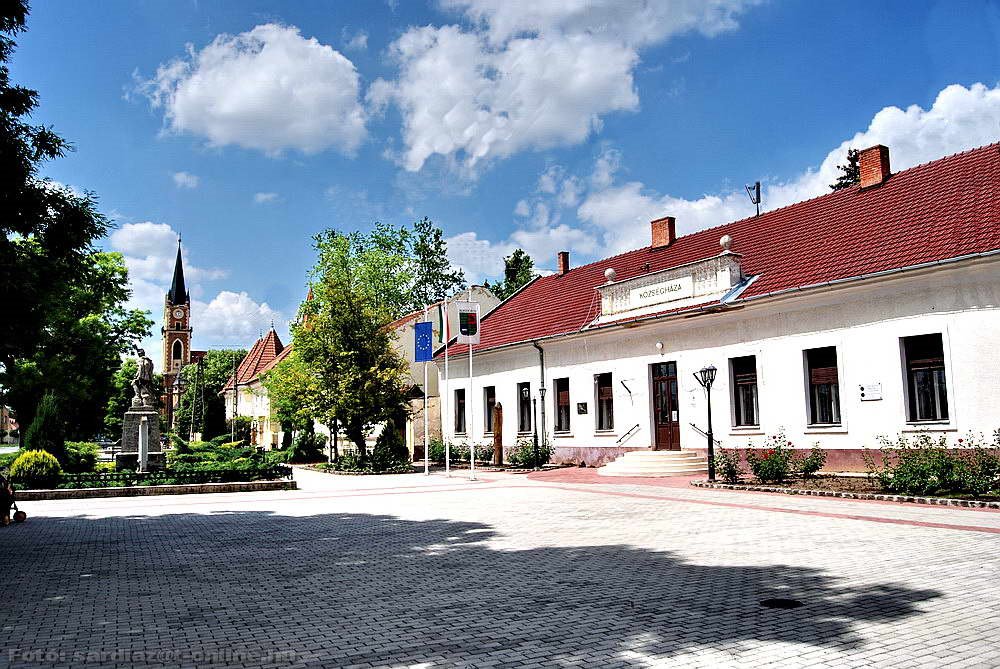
column 664, row 231
column 874, row 165
column 563, row 262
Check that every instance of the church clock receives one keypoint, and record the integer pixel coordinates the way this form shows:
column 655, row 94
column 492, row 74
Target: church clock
column 178, row 313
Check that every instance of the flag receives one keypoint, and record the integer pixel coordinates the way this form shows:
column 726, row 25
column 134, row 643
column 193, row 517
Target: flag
column 441, row 317
column 423, row 342
column 468, row 322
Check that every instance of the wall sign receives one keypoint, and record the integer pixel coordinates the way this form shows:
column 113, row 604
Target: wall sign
column 662, row 291
column 581, row 407
column 870, row 391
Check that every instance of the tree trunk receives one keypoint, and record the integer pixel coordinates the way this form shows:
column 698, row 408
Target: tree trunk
column 358, row 437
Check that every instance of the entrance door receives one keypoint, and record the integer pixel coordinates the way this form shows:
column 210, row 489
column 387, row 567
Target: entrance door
column 666, row 408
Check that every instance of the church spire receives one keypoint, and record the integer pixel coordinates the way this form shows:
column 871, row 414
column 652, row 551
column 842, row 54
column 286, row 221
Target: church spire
column 178, row 291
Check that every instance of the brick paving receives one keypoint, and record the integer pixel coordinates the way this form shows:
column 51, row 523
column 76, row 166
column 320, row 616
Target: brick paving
column 546, row 570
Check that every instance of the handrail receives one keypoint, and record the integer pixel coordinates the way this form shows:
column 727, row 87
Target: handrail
column 705, row 434
column 627, row 434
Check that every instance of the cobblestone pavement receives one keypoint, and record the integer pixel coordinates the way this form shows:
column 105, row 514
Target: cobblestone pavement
column 550, row 570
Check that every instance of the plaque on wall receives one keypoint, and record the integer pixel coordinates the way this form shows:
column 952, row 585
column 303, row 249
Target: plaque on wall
column 581, row 407
column 870, row 391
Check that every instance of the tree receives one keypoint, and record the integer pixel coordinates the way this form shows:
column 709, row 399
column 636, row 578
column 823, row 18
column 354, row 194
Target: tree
column 293, row 393
column 434, row 277
column 121, row 396
column 46, row 432
column 519, row 269
column 64, row 326
column 216, row 368
column 343, row 339
column 850, row 172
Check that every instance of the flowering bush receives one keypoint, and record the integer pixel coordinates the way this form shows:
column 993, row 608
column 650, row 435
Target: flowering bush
column 727, row 465
column 813, row 462
column 923, row 465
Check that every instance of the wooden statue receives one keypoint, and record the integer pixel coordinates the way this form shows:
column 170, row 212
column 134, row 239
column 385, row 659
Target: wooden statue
column 497, row 434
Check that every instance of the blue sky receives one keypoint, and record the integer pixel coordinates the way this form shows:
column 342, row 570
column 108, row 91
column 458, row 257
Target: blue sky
column 248, row 126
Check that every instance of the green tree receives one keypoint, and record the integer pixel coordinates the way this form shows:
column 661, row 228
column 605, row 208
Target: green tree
column 850, row 172
column 293, row 392
column 434, row 277
column 64, row 326
column 216, row 368
column 343, row 339
column 47, row 431
column 519, row 269
column 121, row 397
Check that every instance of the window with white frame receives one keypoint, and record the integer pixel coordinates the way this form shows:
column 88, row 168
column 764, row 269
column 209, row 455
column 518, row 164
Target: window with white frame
column 562, row 405
column 489, row 401
column 926, row 388
column 460, row 411
column 744, row 375
column 824, row 386
column 524, row 407
column 605, row 401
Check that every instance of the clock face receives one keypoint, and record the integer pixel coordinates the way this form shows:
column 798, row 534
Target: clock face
column 178, row 313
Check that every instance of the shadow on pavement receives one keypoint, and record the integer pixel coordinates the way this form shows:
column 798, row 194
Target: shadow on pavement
column 253, row 588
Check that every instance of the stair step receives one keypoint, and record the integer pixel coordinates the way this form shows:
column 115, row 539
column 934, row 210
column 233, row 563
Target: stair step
column 649, row 463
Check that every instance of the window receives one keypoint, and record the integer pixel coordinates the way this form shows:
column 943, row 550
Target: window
column 562, row 405
column 824, row 391
column 927, row 393
column 524, row 407
column 744, row 375
column 489, row 401
column 605, row 402
column 178, row 350
column 460, row 411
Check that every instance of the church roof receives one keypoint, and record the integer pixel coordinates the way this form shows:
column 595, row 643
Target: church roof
column 264, row 351
column 178, row 291
column 941, row 210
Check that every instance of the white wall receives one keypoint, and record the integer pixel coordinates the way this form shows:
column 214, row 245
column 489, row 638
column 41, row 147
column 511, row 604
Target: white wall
column 864, row 322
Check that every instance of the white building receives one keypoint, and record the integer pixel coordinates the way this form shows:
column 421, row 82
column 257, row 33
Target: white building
column 245, row 394
column 867, row 311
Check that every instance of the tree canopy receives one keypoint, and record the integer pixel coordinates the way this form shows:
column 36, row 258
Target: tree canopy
column 64, row 327
column 850, row 172
column 202, row 392
column 519, row 269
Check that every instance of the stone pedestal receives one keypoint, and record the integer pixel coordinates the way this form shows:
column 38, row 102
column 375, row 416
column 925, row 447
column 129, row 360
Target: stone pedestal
column 128, row 458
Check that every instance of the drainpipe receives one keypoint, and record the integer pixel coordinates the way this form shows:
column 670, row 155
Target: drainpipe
column 541, row 389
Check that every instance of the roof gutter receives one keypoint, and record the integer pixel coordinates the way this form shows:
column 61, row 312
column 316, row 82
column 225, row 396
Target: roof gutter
column 541, row 388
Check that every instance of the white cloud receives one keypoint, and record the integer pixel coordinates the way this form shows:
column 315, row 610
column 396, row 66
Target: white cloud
column 356, row 42
column 232, row 319
column 185, row 180
column 265, row 198
column 614, row 216
column 479, row 258
column 528, row 76
column 268, row 89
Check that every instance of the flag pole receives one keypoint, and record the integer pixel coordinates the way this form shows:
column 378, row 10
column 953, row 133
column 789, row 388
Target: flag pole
column 469, row 428
column 444, row 395
column 427, row 462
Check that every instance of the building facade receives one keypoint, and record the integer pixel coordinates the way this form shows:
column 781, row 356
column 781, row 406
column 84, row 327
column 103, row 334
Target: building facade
column 870, row 311
column 176, row 333
column 245, row 395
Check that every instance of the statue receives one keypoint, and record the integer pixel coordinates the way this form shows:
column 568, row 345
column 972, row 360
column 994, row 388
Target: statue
column 142, row 384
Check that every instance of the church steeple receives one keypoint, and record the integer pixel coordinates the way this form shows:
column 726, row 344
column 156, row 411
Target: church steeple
column 178, row 292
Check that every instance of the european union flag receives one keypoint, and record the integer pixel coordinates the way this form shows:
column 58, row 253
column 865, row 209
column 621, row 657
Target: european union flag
column 423, row 342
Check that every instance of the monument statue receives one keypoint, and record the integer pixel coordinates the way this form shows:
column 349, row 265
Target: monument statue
column 142, row 384
column 141, row 448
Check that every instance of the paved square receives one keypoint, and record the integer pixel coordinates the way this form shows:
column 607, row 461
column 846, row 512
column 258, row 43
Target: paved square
column 508, row 571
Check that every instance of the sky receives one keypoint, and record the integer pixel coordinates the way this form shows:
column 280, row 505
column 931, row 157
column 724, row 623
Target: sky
column 248, row 126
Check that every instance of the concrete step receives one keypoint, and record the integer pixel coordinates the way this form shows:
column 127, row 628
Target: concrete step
column 648, row 463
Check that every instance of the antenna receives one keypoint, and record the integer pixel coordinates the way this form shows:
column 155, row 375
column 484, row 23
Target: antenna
column 754, row 193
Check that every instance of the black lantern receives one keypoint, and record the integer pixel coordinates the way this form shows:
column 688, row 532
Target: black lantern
column 706, row 377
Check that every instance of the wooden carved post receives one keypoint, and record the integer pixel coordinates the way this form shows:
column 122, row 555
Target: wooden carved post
column 498, row 434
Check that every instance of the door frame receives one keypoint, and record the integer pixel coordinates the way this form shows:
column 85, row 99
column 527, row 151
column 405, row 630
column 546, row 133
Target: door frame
column 674, row 442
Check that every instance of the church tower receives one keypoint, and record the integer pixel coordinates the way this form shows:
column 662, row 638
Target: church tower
column 176, row 333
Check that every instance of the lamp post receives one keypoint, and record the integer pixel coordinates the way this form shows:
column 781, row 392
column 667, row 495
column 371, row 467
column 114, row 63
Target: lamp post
column 706, row 377
column 534, row 428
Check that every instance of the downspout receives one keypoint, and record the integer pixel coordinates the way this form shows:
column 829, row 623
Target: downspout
column 541, row 389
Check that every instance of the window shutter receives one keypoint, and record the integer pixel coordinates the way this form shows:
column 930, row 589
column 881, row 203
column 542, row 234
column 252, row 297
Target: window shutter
column 823, row 375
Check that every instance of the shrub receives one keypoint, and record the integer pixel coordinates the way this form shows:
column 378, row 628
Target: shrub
column 46, row 431
column 219, row 440
column 390, row 450
column 921, row 467
column 435, row 450
column 727, row 465
column 180, row 446
column 6, row 459
column 773, row 463
column 523, row 453
column 307, row 447
column 81, row 456
column 36, row 469
column 981, row 466
column 811, row 463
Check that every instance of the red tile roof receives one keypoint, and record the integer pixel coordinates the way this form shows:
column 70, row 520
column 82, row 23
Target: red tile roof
column 936, row 211
column 285, row 352
column 264, row 351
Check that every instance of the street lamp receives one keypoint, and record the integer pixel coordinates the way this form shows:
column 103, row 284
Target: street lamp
column 706, row 377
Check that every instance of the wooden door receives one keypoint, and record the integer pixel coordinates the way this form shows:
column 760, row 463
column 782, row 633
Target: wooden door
column 666, row 407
